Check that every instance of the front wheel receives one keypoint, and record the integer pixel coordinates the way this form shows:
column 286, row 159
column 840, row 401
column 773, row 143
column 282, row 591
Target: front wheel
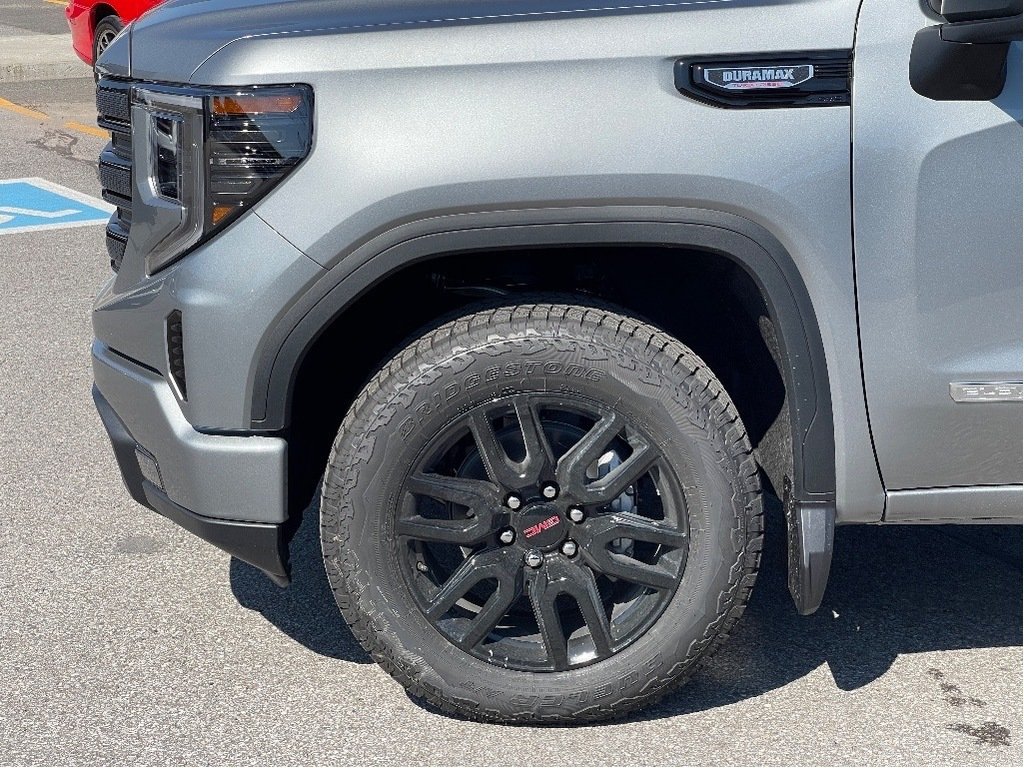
column 542, row 513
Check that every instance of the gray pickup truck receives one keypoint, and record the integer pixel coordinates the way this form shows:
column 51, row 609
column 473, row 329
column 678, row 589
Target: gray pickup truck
column 541, row 299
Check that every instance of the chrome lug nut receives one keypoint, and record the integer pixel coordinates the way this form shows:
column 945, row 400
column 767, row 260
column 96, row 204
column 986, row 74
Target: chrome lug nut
column 513, row 502
column 533, row 558
column 576, row 514
column 507, row 536
column 569, row 548
column 549, row 491
column 422, row 567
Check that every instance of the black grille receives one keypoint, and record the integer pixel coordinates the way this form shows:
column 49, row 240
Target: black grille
column 117, row 241
column 113, row 102
column 116, row 178
column 176, row 352
column 113, row 108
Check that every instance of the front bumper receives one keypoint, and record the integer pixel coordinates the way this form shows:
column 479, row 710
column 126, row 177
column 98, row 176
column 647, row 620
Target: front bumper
column 227, row 489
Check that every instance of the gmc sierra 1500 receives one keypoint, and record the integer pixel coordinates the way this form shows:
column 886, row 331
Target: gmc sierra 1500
column 543, row 297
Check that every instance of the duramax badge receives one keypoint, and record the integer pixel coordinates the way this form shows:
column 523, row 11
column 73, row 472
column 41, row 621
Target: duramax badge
column 742, row 78
column 745, row 81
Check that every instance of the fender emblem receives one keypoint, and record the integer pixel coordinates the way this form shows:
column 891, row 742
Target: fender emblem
column 986, row 391
column 749, row 78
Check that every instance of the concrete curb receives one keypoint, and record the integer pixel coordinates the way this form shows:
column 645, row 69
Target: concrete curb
column 39, row 57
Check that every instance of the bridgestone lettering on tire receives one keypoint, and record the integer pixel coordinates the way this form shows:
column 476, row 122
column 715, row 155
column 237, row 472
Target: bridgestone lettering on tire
column 542, row 513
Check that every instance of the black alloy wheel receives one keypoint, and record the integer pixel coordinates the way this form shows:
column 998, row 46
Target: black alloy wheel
column 494, row 556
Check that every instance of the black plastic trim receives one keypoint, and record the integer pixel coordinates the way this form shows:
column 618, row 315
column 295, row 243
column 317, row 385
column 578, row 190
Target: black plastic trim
column 174, row 331
column 260, row 544
column 810, row 533
column 752, row 247
column 983, row 31
column 124, row 447
column 828, row 86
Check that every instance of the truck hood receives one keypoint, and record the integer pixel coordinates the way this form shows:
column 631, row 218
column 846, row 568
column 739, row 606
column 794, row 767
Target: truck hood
column 170, row 42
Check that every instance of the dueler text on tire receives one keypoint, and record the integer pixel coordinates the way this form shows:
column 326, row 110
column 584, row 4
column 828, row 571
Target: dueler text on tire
column 542, row 513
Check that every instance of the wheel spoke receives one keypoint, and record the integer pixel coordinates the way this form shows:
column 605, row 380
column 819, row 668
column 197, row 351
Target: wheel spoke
column 634, row 571
column 491, row 564
column 499, row 467
column 598, row 531
column 542, row 598
column 474, row 494
column 614, row 484
column 494, row 610
column 589, row 600
column 572, row 466
column 576, row 580
column 470, row 531
column 539, row 461
column 480, row 497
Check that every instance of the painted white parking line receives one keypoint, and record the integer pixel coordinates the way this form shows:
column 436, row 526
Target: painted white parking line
column 34, row 212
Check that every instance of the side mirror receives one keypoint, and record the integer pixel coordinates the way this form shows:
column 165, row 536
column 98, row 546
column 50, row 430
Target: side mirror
column 966, row 10
column 965, row 58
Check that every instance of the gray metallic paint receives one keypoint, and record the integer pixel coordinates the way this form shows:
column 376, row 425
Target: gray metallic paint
column 467, row 108
column 980, row 504
column 571, row 112
column 234, row 478
column 225, row 304
column 937, row 220
column 182, row 34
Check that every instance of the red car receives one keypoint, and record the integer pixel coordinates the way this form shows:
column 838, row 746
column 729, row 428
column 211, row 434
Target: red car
column 94, row 23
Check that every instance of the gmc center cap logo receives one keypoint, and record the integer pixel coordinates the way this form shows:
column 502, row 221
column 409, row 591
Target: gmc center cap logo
column 538, row 528
column 750, row 78
column 541, row 526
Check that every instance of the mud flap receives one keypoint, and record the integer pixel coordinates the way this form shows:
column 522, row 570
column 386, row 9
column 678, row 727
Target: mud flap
column 810, row 527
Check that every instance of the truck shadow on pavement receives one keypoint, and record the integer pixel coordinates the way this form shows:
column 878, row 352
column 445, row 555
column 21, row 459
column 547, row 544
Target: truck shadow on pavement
column 306, row 610
column 893, row 590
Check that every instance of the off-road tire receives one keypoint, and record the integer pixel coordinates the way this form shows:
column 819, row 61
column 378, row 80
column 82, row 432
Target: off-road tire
column 605, row 354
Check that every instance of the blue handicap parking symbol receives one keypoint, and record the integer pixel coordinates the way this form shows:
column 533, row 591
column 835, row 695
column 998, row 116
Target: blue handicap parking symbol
column 27, row 205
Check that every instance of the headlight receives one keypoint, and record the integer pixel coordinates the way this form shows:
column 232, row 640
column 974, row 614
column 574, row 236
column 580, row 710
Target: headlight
column 203, row 156
column 167, row 150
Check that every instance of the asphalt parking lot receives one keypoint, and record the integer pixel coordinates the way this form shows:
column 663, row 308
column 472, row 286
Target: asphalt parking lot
column 123, row 640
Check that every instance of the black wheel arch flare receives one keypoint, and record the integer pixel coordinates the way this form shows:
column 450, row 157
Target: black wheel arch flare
column 757, row 251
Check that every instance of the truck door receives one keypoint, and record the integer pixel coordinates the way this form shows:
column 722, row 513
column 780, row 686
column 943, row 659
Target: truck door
column 937, row 240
